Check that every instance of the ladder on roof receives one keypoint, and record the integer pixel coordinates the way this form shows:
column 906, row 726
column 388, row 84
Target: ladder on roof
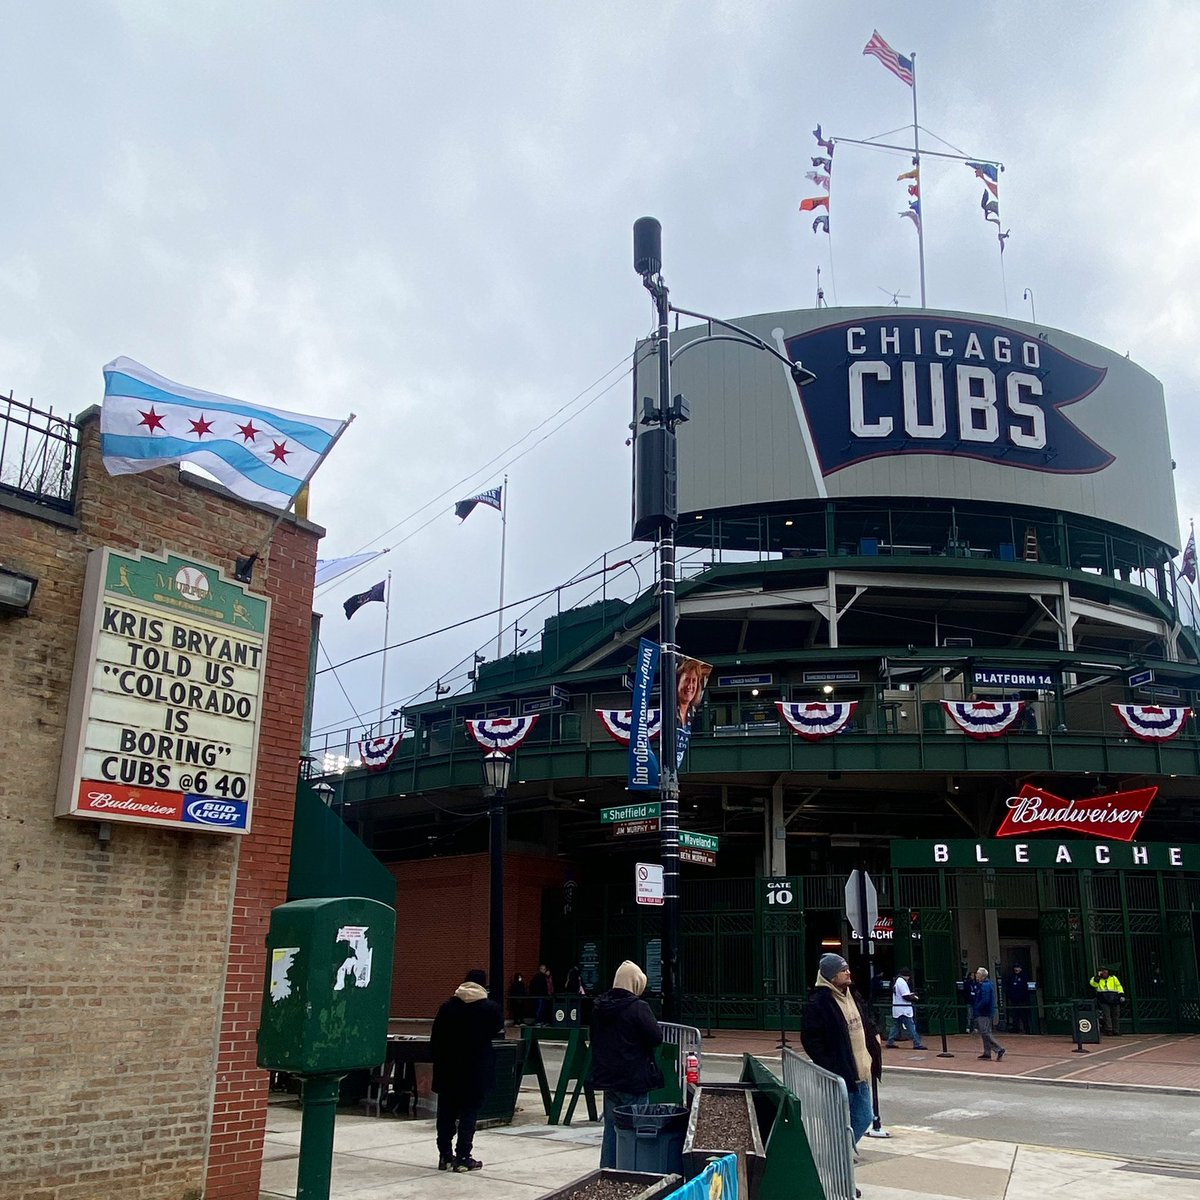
column 1032, row 553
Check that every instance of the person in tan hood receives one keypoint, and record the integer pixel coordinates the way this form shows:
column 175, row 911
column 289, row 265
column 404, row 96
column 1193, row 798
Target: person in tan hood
column 624, row 1035
column 464, row 1068
column 840, row 1036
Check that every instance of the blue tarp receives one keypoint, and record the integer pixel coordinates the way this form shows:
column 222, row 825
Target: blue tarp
column 705, row 1185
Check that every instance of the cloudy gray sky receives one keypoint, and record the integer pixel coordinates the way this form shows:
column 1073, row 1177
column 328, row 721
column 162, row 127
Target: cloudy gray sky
column 422, row 212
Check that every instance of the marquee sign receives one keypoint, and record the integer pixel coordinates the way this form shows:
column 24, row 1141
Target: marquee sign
column 166, row 697
column 1116, row 816
column 1017, row 678
column 944, row 385
column 1064, row 855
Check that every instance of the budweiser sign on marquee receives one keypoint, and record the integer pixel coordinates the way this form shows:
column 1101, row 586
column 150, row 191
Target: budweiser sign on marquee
column 1115, row 817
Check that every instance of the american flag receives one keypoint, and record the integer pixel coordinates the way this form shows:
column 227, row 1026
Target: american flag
column 1187, row 567
column 899, row 66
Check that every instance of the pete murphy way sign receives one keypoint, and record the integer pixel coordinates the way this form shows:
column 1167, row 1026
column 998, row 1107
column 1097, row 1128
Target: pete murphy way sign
column 166, row 698
column 923, row 403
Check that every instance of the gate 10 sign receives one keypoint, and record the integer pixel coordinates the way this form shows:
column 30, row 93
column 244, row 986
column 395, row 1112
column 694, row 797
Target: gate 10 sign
column 782, row 891
column 166, row 698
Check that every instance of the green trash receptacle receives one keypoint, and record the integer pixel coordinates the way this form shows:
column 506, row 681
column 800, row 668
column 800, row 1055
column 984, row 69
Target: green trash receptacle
column 1087, row 1022
column 650, row 1138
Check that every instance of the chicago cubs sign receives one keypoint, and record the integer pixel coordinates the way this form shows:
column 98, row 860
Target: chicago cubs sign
column 940, row 385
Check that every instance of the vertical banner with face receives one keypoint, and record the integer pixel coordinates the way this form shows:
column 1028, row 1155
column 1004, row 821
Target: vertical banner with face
column 691, row 678
column 643, row 766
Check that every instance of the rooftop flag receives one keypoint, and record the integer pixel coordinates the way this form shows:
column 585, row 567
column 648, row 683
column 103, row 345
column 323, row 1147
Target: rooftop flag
column 821, row 222
column 814, row 202
column 825, row 143
column 1187, row 566
column 354, row 603
column 264, row 455
column 990, row 176
column 492, row 498
column 329, row 569
column 899, row 66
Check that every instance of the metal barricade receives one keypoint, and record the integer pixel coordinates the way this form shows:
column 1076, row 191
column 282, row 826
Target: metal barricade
column 825, row 1113
column 687, row 1038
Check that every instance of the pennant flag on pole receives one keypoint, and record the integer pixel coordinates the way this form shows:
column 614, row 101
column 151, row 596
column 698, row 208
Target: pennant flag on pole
column 899, row 66
column 814, row 202
column 264, row 455
column 1187, row 565
column 492, row 498
column 356, row 602
column 825, row 143
column 329, row 569
column 820, row 180
column 990, row 176
column 821, row 222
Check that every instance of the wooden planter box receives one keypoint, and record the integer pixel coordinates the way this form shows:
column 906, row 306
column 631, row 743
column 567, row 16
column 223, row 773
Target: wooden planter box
column 654, row 1186
column 752, row 1159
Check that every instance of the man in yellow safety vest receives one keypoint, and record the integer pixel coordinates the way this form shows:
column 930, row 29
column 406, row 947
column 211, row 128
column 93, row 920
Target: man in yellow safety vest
column 1111, row 995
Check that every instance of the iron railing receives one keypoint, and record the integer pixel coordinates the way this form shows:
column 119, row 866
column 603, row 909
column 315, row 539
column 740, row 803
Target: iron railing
column 37, row 454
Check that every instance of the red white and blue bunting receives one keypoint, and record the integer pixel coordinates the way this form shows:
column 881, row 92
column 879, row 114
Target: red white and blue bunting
column 1152, row 722
column 618, row 721
column 376, row 753
column 983, row 718
column 502, row 733
column 817, row 720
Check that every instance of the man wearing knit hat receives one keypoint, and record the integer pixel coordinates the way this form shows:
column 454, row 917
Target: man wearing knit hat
column 840, row 1036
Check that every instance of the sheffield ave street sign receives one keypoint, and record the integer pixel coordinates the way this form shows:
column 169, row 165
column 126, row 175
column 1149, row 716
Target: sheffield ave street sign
column 630, row 812
column 1065, row 855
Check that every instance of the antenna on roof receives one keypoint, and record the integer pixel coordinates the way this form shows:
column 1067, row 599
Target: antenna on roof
column 820, row 291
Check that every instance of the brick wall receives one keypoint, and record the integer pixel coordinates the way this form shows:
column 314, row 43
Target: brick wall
column 131, row 971
column 452, row 895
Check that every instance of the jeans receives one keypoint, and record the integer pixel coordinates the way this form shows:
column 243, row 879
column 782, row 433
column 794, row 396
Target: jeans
column 990, row 1045
column 614, row 1100
column 862, row 1110
column 454, row 1113
column 905, row 1023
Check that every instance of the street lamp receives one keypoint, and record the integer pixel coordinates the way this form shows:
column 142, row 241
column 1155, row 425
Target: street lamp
column 497, row 769
column 324, row 791
column 656, row 513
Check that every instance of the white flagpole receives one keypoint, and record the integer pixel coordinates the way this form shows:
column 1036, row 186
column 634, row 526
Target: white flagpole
column 920, row 188
column 503, row 539
column 387, row 612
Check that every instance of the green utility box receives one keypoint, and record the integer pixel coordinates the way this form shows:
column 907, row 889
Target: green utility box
column 328, row 986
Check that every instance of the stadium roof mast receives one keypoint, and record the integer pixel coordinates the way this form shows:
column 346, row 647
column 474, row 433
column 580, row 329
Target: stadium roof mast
column 915, row 151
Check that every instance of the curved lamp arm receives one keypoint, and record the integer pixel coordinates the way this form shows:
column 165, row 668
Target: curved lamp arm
column 799, row 373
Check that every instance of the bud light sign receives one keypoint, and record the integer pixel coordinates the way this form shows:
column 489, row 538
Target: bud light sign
column 223, row 814
column 944, row 385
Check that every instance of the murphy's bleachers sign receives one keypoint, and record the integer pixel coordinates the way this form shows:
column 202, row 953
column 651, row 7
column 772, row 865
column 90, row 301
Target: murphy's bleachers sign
column 962, row 853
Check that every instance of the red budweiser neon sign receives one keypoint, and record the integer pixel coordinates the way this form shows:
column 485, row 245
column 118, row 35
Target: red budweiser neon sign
column 1115, row 817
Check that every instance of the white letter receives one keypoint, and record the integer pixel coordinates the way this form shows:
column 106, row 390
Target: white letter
column 889, row 341
column 1141, row 855
column 1035, row 438
column 1031, row 355
column 1002, row 350
column 980, row 857
column 1021, row 852
column 974, row 349
column 941, row 852
column 858, row 417
column 1176, row 856
column 938, row 334
column 851, row 346
column 1063, row 855
column 913, row 425
column 1102, row 854
column 917, row 340
column 969, row 404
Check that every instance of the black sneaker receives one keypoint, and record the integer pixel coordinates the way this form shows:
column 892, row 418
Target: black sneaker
column 1000, row 1054
column 444, row 1163
column 467, row 1164
column 985, row 1057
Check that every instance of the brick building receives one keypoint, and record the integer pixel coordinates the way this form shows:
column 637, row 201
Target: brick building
column 131, row 956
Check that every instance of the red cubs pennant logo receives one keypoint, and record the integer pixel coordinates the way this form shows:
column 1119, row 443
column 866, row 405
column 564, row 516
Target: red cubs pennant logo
column 1114, row 817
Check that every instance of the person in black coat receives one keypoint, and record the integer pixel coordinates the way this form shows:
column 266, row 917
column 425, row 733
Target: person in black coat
column 464, row 1068
column 840, row 1036
column 1016, row 997
column 517, row 991
column 624, row 1036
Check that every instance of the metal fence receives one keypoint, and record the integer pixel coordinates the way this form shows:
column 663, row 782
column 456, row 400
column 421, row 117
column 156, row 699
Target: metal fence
column 37, row 453
column 825, row 1113
column 687, row 1038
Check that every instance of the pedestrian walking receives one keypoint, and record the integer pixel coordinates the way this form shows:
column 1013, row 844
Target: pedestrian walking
column 1111, row 995
column 840, row 1036
column 541, row 988
column 464, row 1068
column 984, row 1012
column 1017, row 998
column 624, row 1035
column 517, row 991
column 903, row 1020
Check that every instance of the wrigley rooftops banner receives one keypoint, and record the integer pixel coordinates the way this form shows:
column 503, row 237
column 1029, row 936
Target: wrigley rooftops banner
column 166, row 698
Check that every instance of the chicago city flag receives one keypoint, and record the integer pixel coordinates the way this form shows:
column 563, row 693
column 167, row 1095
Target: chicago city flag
column 264, row 455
